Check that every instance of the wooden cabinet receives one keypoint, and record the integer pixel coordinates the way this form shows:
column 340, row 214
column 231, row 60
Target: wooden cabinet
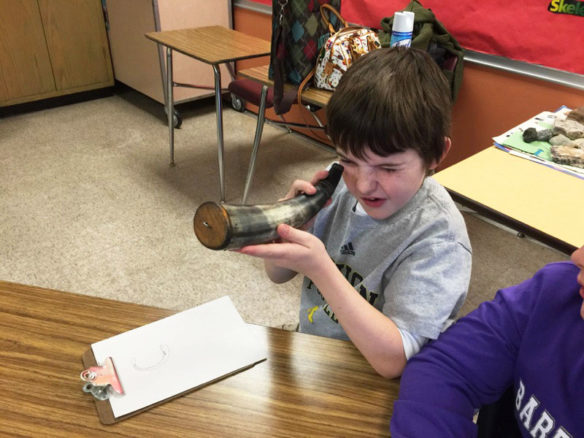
column 141, row 64
column 50, row 48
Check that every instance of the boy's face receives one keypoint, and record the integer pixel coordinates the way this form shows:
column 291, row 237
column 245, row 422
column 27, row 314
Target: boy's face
column 578, row 259
column 383, row 185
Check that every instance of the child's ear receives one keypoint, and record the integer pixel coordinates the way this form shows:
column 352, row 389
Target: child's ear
column 447, row 145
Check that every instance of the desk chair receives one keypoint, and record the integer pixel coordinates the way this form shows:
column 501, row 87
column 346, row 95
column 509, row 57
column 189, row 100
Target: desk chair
column 248, row 90
column 259, row 94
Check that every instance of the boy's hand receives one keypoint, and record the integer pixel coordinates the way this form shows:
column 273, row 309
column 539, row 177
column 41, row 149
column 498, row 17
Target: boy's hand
column 300, row 186
column 298, row 251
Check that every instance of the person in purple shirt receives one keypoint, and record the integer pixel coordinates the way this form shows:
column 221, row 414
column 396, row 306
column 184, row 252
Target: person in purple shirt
column 529, row 338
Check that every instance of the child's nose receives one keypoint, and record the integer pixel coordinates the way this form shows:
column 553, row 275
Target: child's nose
column 366, row 181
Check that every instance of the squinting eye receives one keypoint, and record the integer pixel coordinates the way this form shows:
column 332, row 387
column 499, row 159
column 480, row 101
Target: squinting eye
column 388, row 169
column 345, row 161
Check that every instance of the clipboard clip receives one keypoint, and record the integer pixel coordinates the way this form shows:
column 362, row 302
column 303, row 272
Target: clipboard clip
column 100, row 379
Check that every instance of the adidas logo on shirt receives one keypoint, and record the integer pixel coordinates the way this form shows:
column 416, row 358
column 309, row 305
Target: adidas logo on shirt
column 348, row 249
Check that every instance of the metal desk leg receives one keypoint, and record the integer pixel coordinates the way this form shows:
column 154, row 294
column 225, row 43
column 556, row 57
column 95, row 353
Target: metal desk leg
column 256, row 142
column 170, row 103
column 219, row 112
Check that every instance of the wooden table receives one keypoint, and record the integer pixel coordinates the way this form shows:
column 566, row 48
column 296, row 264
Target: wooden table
column 212, row 45
column 529, row 197
column 308, row 386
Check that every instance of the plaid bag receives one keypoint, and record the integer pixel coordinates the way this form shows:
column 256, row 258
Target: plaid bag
column 341, row 50
column 297, row 30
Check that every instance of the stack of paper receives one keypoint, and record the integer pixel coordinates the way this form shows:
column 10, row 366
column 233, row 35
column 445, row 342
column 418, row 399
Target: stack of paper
column 537, row 151
column 168, row 357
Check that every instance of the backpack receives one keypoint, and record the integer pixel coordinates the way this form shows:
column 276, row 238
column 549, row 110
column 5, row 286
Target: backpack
column 341, row 50
column 297, row 29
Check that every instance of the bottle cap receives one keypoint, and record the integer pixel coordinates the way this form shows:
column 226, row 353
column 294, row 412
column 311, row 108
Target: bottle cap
column 402, row 29
column 403, row 21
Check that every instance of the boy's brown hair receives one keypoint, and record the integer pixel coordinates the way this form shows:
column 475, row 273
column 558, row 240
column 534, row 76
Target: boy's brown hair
column 389, row 101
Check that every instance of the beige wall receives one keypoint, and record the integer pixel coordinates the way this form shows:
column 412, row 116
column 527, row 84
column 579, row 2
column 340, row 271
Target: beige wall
column 490, row 101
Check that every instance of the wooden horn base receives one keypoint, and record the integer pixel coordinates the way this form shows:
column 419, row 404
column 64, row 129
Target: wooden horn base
column 212, row 225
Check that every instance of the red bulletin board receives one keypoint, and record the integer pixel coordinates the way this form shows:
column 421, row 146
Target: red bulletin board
column 543, row 32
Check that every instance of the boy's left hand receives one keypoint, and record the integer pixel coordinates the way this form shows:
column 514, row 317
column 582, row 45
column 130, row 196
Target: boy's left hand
column 298, row 251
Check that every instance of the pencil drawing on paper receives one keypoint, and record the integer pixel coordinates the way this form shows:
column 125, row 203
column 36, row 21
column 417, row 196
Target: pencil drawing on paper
column 149, row 362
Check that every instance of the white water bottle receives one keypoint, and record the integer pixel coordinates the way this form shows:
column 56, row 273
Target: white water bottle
column 401, row 31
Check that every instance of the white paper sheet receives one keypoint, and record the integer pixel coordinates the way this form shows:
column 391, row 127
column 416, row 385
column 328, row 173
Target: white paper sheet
column 178, row 353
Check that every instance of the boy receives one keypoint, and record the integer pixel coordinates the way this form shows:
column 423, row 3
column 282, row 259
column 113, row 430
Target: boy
column 529, row 338
column 387, row 262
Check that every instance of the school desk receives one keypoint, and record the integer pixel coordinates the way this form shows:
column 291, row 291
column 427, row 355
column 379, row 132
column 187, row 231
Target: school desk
column 308, row 386
column 531, row 198
column 213, row 45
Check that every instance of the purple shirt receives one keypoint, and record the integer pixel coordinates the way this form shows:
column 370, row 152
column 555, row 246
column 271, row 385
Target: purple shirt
column 530, row 336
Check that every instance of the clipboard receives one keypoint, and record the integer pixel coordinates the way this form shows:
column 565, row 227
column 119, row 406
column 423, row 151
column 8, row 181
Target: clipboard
column 215, row 367
column 104, row 407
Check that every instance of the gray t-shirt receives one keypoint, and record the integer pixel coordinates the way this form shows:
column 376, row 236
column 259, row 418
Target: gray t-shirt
column 413, row 266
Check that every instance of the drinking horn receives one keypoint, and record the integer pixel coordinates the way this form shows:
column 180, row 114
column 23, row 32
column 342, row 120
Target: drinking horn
column 227, row 226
